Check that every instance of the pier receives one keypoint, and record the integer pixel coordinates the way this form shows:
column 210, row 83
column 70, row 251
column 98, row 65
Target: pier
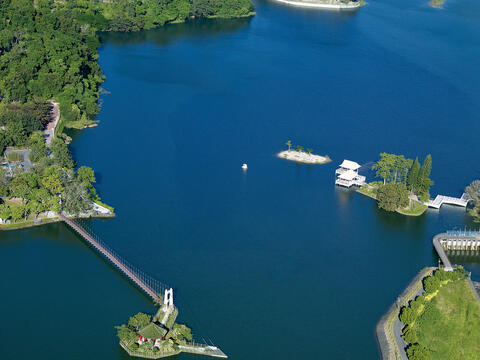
column 455, row 241
column 442, row 199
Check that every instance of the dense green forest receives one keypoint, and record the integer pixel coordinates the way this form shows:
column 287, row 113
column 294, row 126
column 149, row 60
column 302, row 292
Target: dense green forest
column 48, row 48
column 48, row 51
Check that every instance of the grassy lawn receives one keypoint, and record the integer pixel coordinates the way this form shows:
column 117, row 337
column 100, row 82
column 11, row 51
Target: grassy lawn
column 450, row 324
column 417, row 209
column 367, row 191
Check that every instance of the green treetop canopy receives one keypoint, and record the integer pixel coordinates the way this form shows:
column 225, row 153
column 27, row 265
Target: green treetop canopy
column 152, row 331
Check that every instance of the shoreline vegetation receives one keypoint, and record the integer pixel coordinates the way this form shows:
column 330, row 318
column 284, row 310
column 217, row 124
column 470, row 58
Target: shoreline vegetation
column 417, row 208
column 50, row 80
column 405, row 186
column 447, row 302
column 389, row 347
column 434, row 299
column 49, row 220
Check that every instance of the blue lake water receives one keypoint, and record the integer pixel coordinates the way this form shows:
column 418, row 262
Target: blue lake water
column 275, row 262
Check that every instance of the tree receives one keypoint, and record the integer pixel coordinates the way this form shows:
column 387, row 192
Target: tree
column 413, row 176
column 299, row 148
column 75, row 198
column 17, row 212
column 310, row 151
column 86, row 174
column 473, row 192
column 289, row 144
column 401, row 166
column 34, row 207
column 61, row 155
column 418, row 352
column 392, row 196
column 5, row 212
column 424, row 178
column 384, row 166
column 126, row 334
column 39, row 150
column 138, row 321
column 181, row 332
column 50, row 179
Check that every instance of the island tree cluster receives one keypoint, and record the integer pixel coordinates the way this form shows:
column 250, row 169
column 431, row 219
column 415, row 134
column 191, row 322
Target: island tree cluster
column 402, row 180
column 168, row 338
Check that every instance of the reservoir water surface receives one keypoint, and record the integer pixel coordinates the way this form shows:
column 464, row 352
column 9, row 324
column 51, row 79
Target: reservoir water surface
column 274, row 262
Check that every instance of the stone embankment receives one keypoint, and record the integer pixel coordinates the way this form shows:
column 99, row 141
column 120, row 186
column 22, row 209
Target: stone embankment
column 303, row 157
column 387, row 341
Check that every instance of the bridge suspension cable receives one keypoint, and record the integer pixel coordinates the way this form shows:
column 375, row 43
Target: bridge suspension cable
column 147, row 283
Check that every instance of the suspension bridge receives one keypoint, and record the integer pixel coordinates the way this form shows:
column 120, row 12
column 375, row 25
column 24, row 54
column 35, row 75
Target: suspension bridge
column 149, row 285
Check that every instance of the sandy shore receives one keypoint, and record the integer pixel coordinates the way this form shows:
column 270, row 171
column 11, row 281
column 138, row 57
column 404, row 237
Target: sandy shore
column 303, row 157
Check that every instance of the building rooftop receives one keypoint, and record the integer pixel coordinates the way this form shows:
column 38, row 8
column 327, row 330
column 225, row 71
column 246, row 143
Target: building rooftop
column 351, row 165
column 348, row 175
column 152, row 331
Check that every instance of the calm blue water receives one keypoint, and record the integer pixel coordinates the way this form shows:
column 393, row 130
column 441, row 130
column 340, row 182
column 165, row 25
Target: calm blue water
column 275, row 262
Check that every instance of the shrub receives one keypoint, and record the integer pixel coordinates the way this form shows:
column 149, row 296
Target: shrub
column 418, row 352
column 431, row 284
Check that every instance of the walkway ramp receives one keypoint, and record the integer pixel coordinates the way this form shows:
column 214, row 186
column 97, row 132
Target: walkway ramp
column 442, row 199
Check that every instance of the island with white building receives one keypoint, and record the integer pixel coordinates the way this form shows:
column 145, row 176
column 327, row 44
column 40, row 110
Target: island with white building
column 347, row 174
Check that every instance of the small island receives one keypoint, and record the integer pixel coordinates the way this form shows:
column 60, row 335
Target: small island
column 160, row 336
column 438, row 4
column 405, row 186
column 301, row 156
column 343, row 5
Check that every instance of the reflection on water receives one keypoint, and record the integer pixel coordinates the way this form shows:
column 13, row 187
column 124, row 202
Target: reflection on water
column 198, row 28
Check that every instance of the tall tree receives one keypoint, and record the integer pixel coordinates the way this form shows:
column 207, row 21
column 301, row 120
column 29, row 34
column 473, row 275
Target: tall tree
column 384, row 167
column 289, row 144
column 424, row 179
column 413, row 174
column 401, row 166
